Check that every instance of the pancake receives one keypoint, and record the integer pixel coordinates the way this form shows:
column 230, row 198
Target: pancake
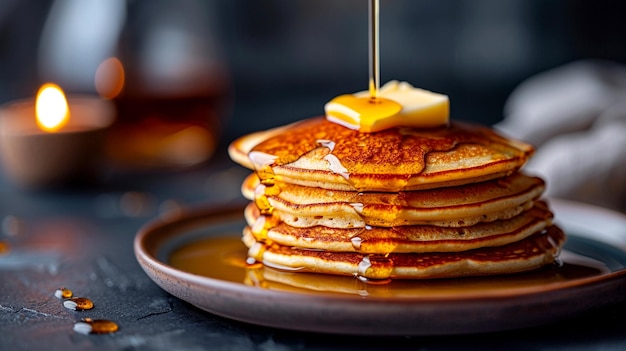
column 402, row 239
column 319, row 153
column 458, row 206
column 524, row 255
column 400, row 203
column 334, row 220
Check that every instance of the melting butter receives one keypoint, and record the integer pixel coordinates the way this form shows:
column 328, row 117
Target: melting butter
column 398, row 104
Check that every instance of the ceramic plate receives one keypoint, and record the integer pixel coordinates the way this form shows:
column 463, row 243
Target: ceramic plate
column 199, row 258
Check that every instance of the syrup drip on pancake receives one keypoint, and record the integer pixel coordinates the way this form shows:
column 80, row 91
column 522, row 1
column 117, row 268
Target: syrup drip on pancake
column 377, row 267
column 262, row 165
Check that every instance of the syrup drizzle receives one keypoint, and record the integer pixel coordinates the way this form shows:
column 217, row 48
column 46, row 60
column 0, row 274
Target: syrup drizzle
column 333, row 162
column 374, row 49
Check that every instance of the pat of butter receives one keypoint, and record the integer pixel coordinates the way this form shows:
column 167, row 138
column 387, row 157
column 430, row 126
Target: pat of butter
column 399, row 104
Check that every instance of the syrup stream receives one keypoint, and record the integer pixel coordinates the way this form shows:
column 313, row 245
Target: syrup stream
column 374, row 50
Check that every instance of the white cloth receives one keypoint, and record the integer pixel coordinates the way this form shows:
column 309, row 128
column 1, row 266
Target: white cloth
column 575, row 116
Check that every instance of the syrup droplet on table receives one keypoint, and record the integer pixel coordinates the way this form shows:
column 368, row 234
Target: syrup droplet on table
column 63, row 293
column 95, row 326
column 78, row 304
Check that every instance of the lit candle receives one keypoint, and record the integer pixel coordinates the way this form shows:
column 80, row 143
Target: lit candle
column 53, row 140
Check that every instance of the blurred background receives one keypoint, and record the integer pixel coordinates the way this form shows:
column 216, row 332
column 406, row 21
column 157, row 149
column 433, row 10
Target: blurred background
column 186, row 77
column 284, row 59
column 232, row 67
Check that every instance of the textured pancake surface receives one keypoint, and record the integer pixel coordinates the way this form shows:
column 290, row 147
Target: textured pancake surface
column 530, row 253
column 319, row 153
column 458, row 206
column 414, row 238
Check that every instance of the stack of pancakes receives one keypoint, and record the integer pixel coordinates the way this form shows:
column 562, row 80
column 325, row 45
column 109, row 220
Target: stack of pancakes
column 399, row 203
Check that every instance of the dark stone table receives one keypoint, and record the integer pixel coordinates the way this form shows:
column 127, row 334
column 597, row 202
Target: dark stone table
column 81, row 238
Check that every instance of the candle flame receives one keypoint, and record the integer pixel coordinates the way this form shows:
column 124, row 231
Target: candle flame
column 51, row 109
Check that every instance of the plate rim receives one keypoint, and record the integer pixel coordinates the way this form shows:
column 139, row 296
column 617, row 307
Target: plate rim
column 152, row 265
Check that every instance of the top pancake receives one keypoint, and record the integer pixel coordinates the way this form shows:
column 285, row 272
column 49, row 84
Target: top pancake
column 319, row 153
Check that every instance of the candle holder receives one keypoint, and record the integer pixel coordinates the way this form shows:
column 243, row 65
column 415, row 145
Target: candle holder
column 33, row 158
